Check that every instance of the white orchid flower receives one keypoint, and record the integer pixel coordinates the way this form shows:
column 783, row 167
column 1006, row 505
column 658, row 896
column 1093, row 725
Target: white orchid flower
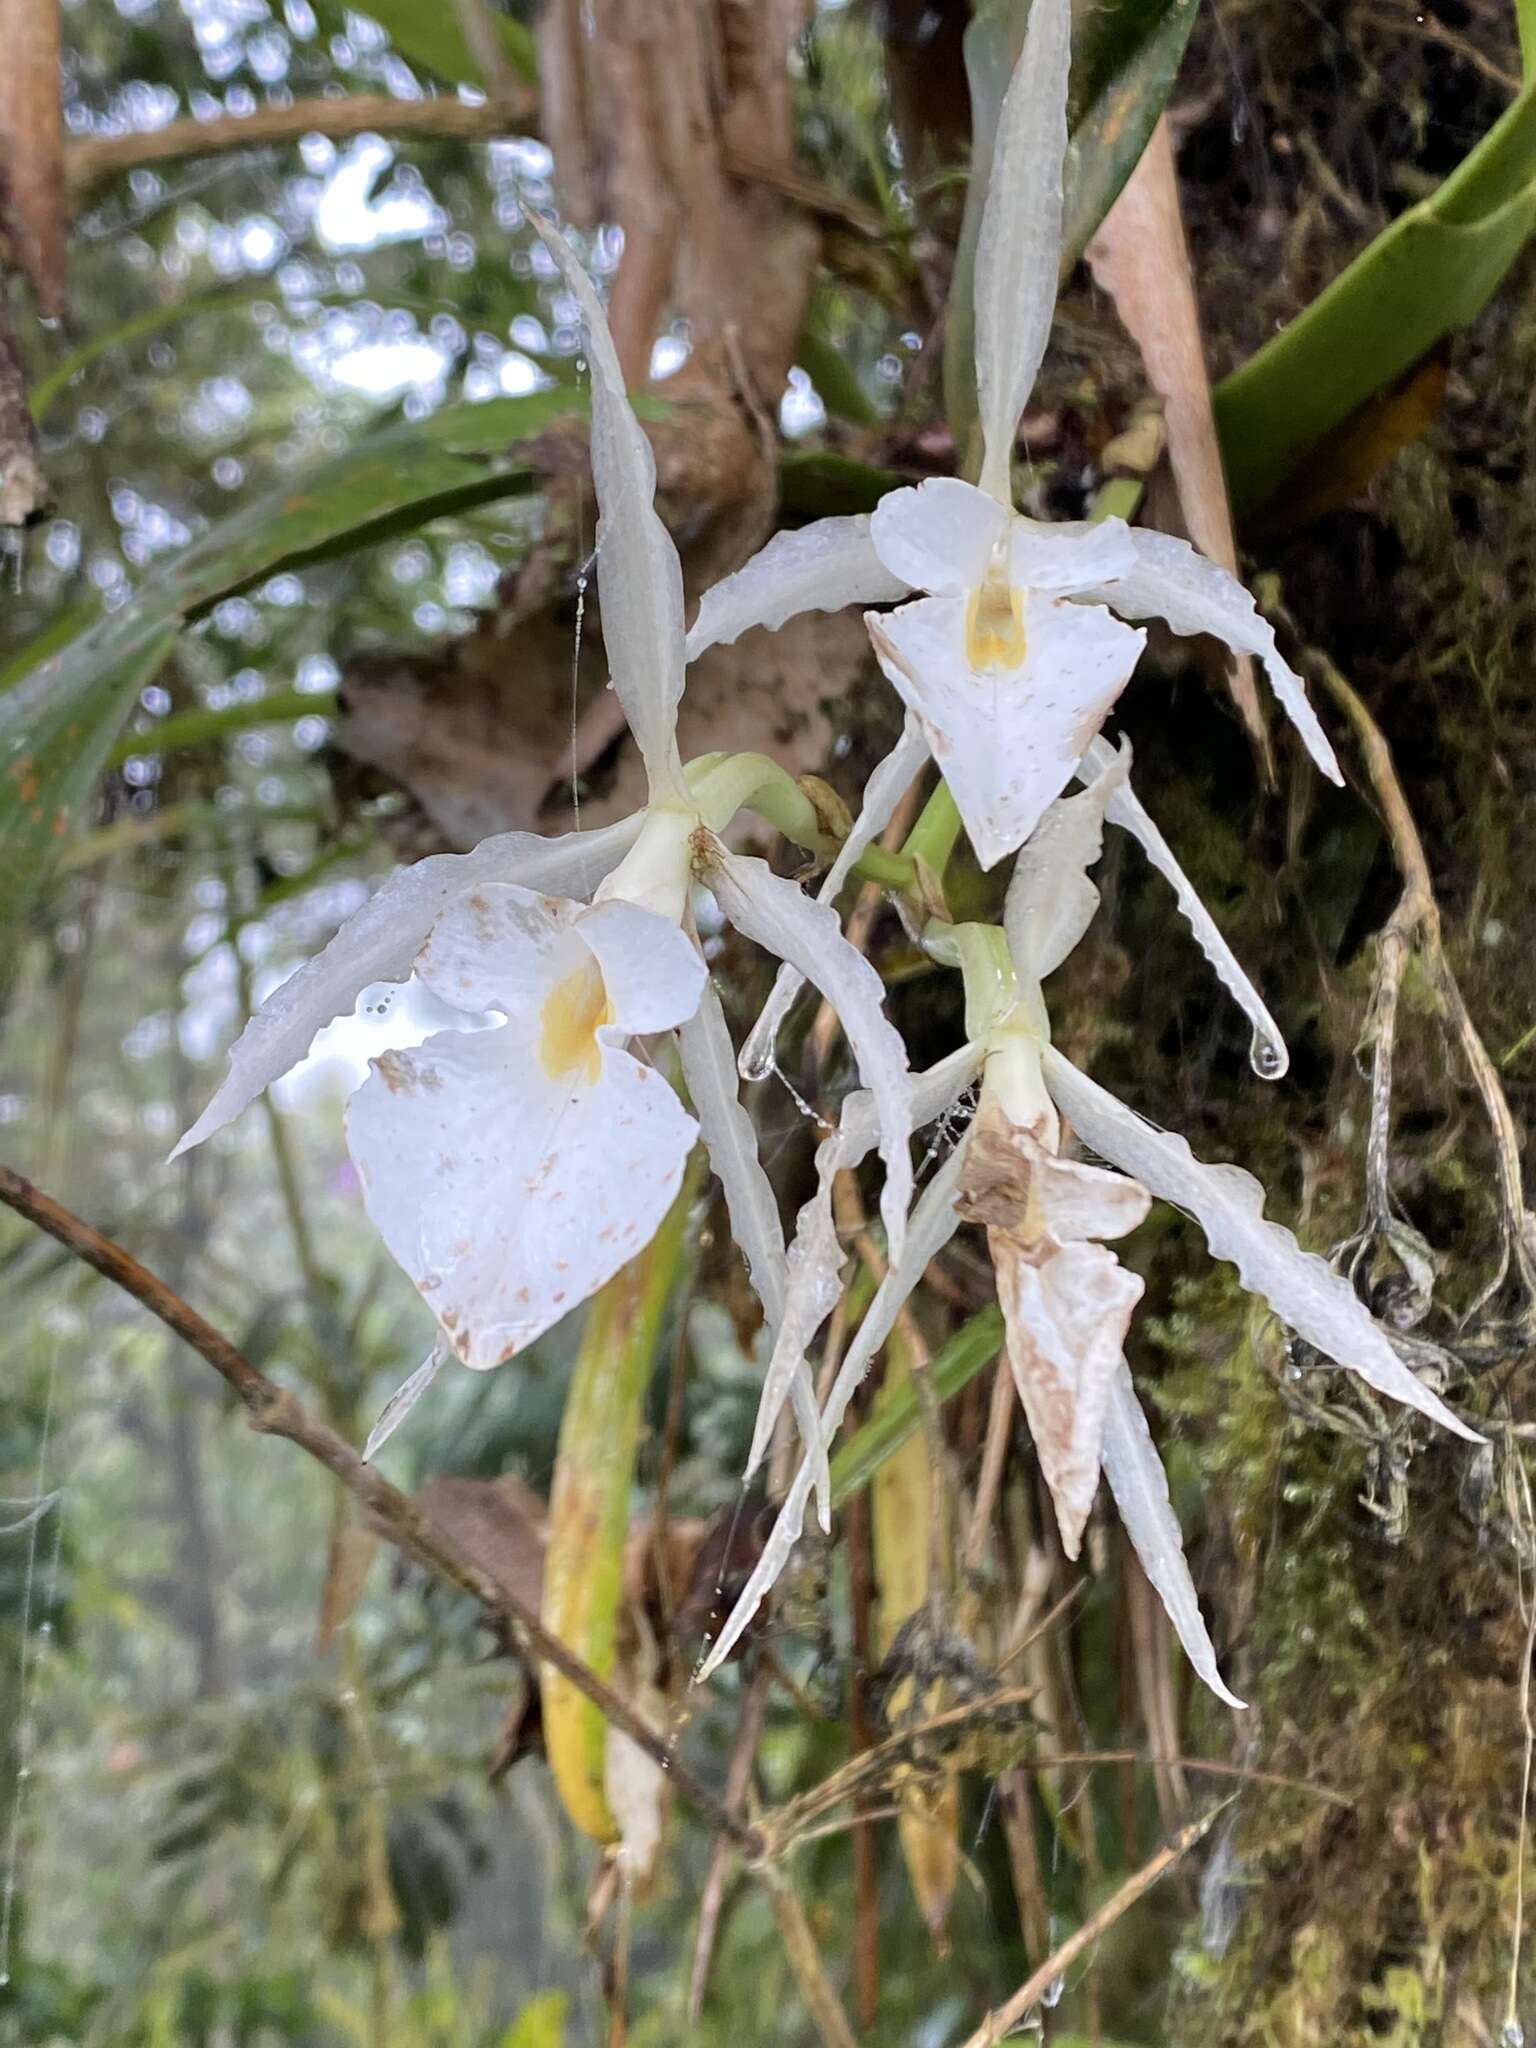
column 1065, row 1301
column 1011, row 659
column 512, row 1170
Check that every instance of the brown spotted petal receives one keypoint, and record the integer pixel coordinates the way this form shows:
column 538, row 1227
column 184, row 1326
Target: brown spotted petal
column 1066, row 1316
column 1066, row 1301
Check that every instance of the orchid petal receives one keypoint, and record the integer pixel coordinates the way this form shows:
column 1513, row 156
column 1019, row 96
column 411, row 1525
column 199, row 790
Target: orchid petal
column 816, row 1257
column 504, row 948
column 1066, row 1301
column 1066, row 1316
column 639, row 577
column 938, row 536
column 507, row 1194
column 1050, row 901
column 1140, row 1487
column 1173, row 581
column 934, row 1222
column 730, row 1137
column 404, row 1399
column 815, row 568
column 709, row 1069
column 1018, row 251
column 653, row 972
column 1007, row 741
column 1302, row 1289
column 780, row 917
column 887, row 784
column 1125, row 809
column 814, row 1284
column 1068, row 554
column 379, row 942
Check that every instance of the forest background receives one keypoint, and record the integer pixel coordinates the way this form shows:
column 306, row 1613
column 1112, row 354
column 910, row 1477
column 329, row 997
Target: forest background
column 306, row 390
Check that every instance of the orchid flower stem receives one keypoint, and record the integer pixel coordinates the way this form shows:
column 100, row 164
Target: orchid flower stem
column 1118, row 497
column 933, row 838
column 723, row 784
column 889, row 870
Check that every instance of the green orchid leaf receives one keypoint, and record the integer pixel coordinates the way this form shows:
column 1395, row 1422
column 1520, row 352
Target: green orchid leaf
column 429, row 34
column 64, row 699
column 1428, row 274
column 970, row 1351
column 56, row 729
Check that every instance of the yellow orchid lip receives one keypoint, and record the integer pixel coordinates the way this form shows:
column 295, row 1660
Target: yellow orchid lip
column 994, row 621
column 574, row 1011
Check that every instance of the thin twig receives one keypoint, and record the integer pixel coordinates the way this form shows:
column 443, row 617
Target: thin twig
column 783, row 1826
column 1418, row 915
column 1029, row 1994
column 822, row 2001
column 275, row 1411
column 95, row 159
column 993, row 1458
column 738, row 1777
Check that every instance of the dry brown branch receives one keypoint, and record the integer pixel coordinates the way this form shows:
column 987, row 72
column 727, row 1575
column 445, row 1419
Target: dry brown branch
column 738, row 1778
column 23, row 487
column 1002, row 2022
column 96, row 159
column 276, row 1411
column 984, row 1727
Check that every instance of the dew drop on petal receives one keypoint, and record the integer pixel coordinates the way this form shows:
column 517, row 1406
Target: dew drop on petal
column 1268, row 1057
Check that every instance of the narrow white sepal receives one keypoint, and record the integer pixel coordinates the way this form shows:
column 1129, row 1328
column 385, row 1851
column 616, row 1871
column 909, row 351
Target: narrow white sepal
column 934, row 1223
column 730, row 1138
column 1140, row 1487
column 817, row 568
column 1228, row 1204
column 888, row 783
column 1018, row 251
column 1175, row 582
column 639, row 576
column 780, row 917
column 379, row 942
column 1271, row 1058
column 404, row 1399
column 816, row 1257
column 1050, row 901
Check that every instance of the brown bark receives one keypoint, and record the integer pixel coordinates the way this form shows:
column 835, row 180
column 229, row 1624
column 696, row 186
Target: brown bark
column 651, row 112
column 23, row 487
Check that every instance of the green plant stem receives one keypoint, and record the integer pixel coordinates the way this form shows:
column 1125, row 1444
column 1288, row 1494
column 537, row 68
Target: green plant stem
column 934, row 837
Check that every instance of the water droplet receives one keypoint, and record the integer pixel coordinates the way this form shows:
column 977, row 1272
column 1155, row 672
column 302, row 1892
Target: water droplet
column 5, row 1978
column 1513, row 2035
column 1268, row 1057
column 1051, row 1995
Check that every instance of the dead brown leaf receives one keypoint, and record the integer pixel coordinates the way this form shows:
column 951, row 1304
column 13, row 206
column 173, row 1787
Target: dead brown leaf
column 1140, row 257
